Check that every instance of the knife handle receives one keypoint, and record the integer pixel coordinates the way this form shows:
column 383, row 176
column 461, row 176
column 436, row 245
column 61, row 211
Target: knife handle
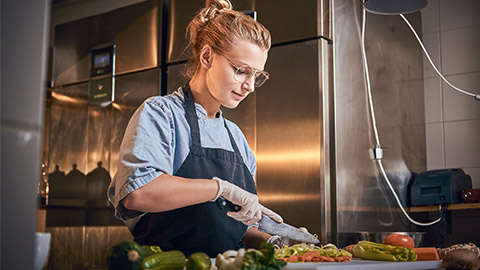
column 228, row 205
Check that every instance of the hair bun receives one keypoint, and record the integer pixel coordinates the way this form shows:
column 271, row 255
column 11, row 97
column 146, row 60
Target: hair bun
column 214, row 8
column 220, row 5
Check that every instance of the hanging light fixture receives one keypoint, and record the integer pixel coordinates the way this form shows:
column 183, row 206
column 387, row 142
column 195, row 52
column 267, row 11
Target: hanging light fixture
column 394, row 7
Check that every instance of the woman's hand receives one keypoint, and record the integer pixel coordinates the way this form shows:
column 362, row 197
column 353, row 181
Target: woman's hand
column 251, row 210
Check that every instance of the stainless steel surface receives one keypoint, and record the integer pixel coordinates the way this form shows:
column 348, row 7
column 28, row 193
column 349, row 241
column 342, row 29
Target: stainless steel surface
column 133, row 29
column 394, row 7
column 325, row 18
column 272, row 227
column 68, row 132
column 85, row 134
column 288, row 21
column 180, row 14
column 130, row 91
column 83, row 247
column 289, row 136
column 363, row 200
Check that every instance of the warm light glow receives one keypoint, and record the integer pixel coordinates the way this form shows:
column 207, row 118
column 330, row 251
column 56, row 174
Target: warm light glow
column 286, row 197
column 304, row 156
column 116, row 106
column 64, row 98
column 154, row 41
column 173, row 26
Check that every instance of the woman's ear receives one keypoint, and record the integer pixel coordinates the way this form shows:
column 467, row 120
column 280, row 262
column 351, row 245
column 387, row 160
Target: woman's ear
column 206, row 56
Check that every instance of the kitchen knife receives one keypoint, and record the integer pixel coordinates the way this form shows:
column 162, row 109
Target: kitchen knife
column 270, row 226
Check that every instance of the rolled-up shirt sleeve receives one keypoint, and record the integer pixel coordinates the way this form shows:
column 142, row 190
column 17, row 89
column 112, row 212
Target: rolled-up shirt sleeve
column 146, row 152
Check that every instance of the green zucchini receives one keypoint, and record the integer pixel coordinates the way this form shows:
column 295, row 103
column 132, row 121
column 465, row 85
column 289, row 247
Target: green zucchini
column 167, row 260
column 125, row 256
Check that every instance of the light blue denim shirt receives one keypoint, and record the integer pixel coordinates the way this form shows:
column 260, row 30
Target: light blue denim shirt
column 157, row 140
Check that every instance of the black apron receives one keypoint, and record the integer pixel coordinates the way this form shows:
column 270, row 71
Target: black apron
column 202, row 227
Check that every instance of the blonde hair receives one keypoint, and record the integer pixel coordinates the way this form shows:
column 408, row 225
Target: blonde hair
column 219, row 26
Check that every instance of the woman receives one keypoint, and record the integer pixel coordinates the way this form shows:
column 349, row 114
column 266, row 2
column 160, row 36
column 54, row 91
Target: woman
column 181, row 161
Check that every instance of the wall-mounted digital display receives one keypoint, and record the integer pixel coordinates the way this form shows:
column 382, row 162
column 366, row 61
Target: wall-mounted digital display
column 102, row 61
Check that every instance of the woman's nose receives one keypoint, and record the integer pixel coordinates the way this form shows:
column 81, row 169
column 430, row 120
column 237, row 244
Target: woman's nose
column 249, row 84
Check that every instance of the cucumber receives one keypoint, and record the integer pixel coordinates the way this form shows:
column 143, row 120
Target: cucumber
column 150, row 250
column 199, row 261
column 167, row 260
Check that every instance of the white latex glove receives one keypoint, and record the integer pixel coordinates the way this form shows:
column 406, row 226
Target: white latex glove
column 251, row 211
column 284, row 241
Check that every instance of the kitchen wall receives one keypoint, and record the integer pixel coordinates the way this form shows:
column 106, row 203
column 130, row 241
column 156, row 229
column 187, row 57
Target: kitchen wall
column 452, row 120
column 423, row 123
column 363, row 200
column 451, row 34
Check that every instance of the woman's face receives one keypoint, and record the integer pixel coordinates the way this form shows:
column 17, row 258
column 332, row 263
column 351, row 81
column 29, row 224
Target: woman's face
column 221, row 83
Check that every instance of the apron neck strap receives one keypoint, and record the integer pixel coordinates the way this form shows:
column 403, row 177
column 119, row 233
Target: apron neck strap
column 191, row 115
column 192, row 119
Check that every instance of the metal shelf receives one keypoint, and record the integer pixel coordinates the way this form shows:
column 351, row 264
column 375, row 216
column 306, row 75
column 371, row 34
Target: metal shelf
column 455, row 206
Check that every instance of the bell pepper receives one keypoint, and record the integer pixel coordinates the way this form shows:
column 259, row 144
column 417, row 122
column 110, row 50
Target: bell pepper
column 380, row 252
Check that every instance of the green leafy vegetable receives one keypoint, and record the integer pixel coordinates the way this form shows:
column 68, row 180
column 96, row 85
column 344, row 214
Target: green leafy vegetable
column 263, row 259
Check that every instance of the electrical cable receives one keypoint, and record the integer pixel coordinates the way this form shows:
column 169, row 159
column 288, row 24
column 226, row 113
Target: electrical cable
column 377, row 152
column 476, row 96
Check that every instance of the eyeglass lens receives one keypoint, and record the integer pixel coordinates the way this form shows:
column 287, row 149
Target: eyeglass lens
column 244, row 73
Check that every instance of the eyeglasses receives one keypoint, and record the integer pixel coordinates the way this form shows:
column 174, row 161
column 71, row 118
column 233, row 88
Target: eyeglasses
column 245, row 72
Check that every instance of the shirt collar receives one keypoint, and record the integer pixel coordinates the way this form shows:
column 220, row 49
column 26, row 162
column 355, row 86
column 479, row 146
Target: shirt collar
column 201, row 112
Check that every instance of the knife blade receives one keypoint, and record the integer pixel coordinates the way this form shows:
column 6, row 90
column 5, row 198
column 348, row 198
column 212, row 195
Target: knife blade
column 270, row 226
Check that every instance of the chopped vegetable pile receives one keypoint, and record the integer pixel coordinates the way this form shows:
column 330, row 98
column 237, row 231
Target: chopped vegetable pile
column 310, row 253
column 250, row 259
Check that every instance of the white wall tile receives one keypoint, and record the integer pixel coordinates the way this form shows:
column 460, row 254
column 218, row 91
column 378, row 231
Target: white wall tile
column 462, row 147
column 458, row 106
column 430, row 21
column 435, row 146
column 457, row 14
column 459, row 50
column 431, row 41
column 475, row 175
column 433, row 100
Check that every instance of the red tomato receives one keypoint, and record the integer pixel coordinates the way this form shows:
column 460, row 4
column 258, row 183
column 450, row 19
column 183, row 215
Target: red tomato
column 396, row 239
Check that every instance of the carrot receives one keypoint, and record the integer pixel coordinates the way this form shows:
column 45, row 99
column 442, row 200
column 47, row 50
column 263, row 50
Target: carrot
column 326, row 259
column 296, row 258
column 343, row 259
column 309, row 255
column 293, row 258
column 426, row 254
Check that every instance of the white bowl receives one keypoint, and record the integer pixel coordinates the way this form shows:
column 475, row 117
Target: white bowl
column 42, row 248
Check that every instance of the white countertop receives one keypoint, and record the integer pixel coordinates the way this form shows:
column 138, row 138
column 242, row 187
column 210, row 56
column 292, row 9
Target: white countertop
column 358, row 264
